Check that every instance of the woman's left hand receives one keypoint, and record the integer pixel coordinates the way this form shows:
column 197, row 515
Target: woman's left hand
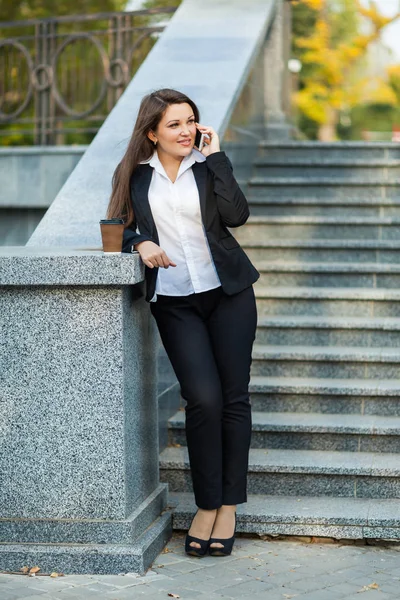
column 211, row 142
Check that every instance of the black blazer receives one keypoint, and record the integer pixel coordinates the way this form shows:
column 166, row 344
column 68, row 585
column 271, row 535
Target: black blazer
column 222, row 205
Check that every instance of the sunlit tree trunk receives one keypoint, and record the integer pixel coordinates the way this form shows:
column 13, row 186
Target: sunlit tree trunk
column 327, row 131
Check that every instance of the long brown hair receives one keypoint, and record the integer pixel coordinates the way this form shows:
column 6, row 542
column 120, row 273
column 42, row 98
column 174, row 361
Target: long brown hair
column 151, row 111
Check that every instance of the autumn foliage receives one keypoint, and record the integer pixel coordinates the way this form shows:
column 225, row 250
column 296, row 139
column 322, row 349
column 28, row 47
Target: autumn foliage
column 333, row 52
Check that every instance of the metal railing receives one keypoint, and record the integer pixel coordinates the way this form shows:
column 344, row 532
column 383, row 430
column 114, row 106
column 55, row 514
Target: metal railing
column 60, row 77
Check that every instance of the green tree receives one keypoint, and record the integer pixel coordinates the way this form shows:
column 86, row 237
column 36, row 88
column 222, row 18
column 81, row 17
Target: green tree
column 332, row 52
column 161, row 3
column 394, row 80
column 15, row 10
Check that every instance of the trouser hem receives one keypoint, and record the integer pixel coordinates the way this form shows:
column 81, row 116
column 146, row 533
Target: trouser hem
column 214, row 505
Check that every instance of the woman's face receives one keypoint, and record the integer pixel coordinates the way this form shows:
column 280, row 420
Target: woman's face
column 175, row 133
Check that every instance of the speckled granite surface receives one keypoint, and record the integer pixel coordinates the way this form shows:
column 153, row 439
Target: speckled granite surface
column 78, row 413
column 77, row 402
column 30, row 266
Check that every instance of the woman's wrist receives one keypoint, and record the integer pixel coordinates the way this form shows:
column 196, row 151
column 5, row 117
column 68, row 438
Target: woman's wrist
column 215, row 149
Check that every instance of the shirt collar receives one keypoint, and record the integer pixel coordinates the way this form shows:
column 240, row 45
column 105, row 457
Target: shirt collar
column 187, row 162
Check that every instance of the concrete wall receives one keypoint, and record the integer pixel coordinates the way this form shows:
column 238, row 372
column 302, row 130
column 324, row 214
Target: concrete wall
column 30, row 179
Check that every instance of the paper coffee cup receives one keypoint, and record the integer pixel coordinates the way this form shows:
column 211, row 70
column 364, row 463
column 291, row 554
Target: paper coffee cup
column 112, row 231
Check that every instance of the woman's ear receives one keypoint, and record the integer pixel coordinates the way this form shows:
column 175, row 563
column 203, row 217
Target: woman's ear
column 152, row 137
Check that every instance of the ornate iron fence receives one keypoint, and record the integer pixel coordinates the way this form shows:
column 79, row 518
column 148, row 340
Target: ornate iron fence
column 60, row 77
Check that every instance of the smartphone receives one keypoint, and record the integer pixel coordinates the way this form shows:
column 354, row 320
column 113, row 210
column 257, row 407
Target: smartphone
column 199, row 140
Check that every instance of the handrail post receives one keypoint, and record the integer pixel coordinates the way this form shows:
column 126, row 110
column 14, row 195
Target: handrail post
column 276, row 87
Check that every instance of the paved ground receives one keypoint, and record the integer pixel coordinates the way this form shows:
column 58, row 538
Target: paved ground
column 256, row 570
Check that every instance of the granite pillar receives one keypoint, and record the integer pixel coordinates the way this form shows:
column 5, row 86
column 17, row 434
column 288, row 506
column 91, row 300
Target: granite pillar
column 275, row 75
column 79, row 484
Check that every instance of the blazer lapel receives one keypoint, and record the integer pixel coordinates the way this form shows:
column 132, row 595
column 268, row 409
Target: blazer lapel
column 140, row 183
column 200, row 175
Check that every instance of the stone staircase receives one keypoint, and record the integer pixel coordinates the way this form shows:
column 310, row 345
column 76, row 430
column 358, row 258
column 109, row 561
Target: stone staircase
column 325, row 388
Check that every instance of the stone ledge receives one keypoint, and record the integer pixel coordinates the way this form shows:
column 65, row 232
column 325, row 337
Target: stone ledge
column 338, row 517
column 312, row 423
column 320, row 181
column 326, row 322
column 325, row 353
column 42, row 150
column 304, row 462
column 323, row 244
column 318, row 220
column 30, row 266
column 334, row 145
column 324, row 386
column 325, row 293
column 264, row 161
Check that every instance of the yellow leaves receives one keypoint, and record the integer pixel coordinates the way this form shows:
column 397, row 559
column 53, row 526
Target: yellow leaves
column 311, row 104
column 380, row 93
column 371, row 586
column 371, row 12
column 394, row 71
column 314, row 4
column 318, row 40
column 334, row 77
column 349, row 53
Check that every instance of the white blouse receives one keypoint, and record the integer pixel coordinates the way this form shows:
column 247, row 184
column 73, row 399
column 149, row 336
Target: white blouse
column 176, row 212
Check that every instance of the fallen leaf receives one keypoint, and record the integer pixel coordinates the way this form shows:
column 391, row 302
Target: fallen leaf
column 34, row 569
column 166, row 550
column 371, row 586
column 54, row 574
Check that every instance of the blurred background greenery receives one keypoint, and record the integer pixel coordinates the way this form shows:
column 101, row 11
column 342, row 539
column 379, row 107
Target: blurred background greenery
column 348, row 86
column 345, row 79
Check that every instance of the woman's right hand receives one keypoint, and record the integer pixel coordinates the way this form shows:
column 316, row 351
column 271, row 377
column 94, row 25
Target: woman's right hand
column 153, row 256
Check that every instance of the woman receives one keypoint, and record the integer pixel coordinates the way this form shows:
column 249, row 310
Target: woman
column 177, row 203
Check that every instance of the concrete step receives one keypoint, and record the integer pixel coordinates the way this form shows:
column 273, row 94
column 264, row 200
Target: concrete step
column 323, row 274
column 327, row 161
column 325, row 361
column 382, row 171
column 302, row 473
column 327, row 395
column 317, row 151
column 312, row 431
column 337, row 517
column 264, row 204
column 260, row 228
column 314, row 301
column 322, row 187
column 318, row 250
column 329, row 331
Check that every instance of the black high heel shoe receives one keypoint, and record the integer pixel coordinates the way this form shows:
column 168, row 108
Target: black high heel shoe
column 227, row 545
column 192, row 550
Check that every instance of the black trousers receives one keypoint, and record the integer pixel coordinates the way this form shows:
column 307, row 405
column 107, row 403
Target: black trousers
column 208, row 338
